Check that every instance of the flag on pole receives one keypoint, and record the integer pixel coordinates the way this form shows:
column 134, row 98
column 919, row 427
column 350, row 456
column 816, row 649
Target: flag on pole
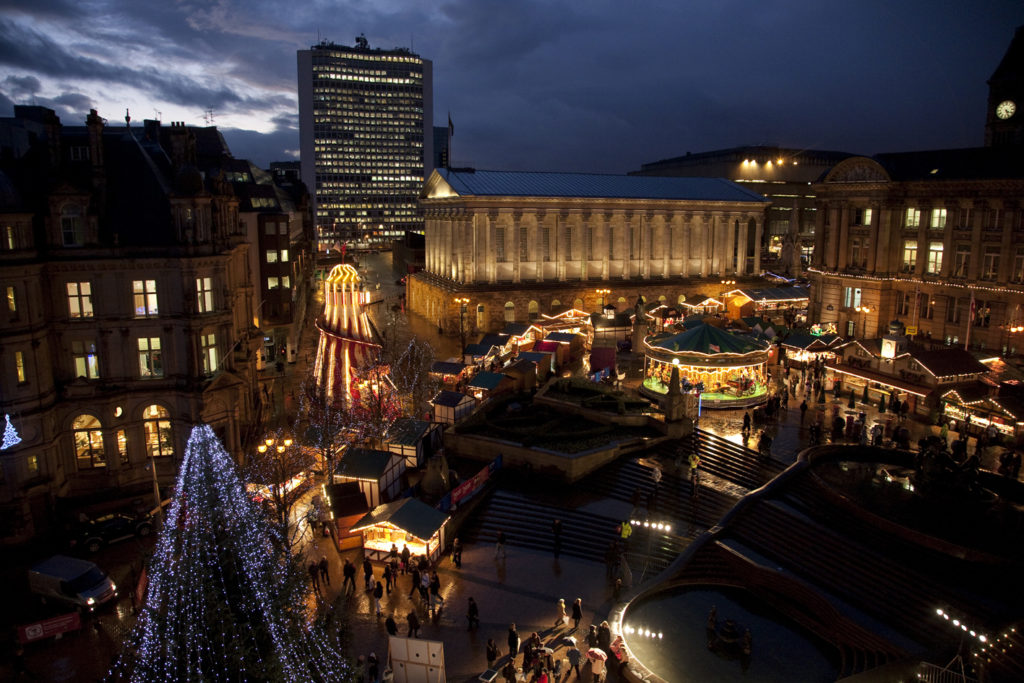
column 970, row 324
column 451, row 126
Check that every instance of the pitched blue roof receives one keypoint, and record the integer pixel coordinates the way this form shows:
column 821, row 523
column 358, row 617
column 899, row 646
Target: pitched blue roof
column 406, row 431
column 538, row 184
column 449, row 399
column 408, row 514
column 363, row 463
column 486, row 380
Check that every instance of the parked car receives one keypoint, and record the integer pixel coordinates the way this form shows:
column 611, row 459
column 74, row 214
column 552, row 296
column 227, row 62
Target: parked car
column 117, row 526
column 72, row 580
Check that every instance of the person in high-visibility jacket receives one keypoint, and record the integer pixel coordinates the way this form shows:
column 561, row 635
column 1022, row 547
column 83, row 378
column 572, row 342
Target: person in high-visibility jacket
column 625, row 531
column 694, row 462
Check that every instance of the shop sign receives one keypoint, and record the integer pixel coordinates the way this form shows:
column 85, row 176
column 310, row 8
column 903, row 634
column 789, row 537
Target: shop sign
column 911, row 330
column 49, row 628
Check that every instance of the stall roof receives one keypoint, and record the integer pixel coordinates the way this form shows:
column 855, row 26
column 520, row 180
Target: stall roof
column 561, row 337
column 775, row 294
column 486, row 380
column 446, row 367
column 949, row 362
column 521, row 366
column 498, row 340
column 707, row 339
column 363, row 463
column 406, row 431
column 537, row 357
column 408, row 514
column 694, row 300
column 450, row 399
column 545, row 345
column 621, row 320
column 518, row 329
column 799, row 340
column 346, row 499
column 482, row 350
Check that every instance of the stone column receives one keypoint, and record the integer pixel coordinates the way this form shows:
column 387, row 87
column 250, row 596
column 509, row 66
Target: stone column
column 741, row 247
column 684, row 226
column 844, row 238
column 517, row 217
column 819, row 235
column 873, row 235
column 832, row 239
column 758, row 237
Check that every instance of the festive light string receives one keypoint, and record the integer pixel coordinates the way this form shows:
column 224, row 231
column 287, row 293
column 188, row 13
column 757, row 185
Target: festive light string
column 220, row 604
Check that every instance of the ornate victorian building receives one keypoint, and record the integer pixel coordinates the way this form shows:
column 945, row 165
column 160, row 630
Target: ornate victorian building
column 933, row 239
column 505, row 246
column 128, row 309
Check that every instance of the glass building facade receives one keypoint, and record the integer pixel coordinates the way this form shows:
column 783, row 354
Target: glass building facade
column 366, row 140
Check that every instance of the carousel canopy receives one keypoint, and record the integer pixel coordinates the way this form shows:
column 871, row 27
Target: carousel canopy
column 408, row 514
column 706, row 339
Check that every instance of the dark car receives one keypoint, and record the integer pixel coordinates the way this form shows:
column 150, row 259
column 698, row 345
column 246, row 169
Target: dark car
column 111, row 528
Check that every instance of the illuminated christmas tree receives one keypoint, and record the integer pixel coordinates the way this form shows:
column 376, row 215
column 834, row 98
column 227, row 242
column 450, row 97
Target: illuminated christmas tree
column 223, row 603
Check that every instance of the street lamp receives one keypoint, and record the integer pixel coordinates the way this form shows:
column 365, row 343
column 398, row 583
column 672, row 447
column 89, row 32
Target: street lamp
column 864, row 318
column 602, row 293
column 462, row 302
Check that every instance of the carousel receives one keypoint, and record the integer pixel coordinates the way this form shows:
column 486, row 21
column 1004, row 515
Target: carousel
column 728, row 370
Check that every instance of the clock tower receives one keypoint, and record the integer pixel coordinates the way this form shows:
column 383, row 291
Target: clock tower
column 1004, row 118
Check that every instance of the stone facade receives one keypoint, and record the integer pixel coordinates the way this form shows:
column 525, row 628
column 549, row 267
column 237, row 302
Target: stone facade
column 514, row 257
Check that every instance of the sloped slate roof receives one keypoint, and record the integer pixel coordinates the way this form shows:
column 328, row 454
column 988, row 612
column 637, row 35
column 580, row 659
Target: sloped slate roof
column 406, row 431
column 478, row 349
column 444, row 367
column 486, row 380
column 561, row 337
column 449, row 399
column 363, row 463
column 408, row 514
column 949, row 362
column 516, row 329
column 346, row 499
column 537, row 184
column 803, row 341
column 776, row 293
column 701, row 338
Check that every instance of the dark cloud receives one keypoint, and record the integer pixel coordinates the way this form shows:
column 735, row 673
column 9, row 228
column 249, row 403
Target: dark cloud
column 262, row 148
column 22, row 86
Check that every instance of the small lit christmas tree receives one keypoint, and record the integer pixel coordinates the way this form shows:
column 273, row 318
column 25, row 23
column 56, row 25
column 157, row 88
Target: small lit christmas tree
column 11, row 437
column 222, row 602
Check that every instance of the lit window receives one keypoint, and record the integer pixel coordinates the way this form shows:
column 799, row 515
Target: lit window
column 938, row 219
column 19, row 366
column 85, row 358
column 1018, row 266
column 9, row 237
column 286, row 281
column 273, row 282
column 71, row 226
column 12, row 303
column 144, row 295
column 909, row 255
column 961, row 260
column 271, row 255
column 284, row 255
column 79, row 299
column 151, row 362
column 851, row 297
column 122, row 446
column 862, row 216
column 913, row 218
column 209, row 345
column 156, row 423
column 88, row 437
column 204, row 294
column 499, row 245
column 32, row 464
column 990, row 266
column 934, row 258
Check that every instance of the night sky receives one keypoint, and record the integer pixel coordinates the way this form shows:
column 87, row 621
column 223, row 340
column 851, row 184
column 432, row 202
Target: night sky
column 569, row 85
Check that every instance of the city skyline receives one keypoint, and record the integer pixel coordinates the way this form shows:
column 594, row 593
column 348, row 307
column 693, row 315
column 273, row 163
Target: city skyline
column 534, row 86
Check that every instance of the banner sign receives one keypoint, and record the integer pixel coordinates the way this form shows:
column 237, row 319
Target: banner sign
column 49, row 628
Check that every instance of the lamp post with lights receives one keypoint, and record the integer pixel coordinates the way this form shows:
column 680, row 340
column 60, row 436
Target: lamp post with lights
column 462, row 302
column 863, row 310
column 602, row 293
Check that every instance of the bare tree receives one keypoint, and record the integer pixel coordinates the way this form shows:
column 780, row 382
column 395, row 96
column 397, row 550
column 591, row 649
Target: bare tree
column 410, row 375
column 282, row 471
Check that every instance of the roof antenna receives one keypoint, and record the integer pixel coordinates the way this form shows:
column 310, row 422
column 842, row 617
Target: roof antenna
column 127, row 119
column 208, row 116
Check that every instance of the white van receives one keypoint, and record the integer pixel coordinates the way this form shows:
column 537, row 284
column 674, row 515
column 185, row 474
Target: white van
column 72, row 580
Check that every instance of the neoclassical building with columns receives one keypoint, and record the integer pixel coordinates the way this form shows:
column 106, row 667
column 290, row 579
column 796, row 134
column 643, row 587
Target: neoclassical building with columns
column 510, row 246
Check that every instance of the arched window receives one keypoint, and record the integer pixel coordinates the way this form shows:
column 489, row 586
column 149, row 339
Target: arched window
column 555, row 303
column 72, row 232
column 578, row 304
column 88, row 435
column 534, row 310
column 510, row 312
column 681, row 299
column 622, row 299
column 662, row 298
column 156, row 423
column 481, row 317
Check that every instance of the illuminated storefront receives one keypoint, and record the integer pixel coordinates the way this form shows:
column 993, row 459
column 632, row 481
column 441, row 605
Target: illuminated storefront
column 804, row 348
column 731, row 367
column 972, row 405
column 405, row 522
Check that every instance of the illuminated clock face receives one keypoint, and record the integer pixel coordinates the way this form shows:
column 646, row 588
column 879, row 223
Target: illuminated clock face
column 1006, row 109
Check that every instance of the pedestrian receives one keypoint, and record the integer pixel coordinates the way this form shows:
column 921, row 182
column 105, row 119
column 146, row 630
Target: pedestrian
column 803, row 410
column 592, row 636
column 368, row 573
column 373, row 668
column 388, row 578
column 746, row 423
column 617, row 591
column 324, row 573
column 314, row 574
column 414, row 586
column 556, row 533
column 414, row 624
column 513, row 641
column 473, row 617
column 509, row 672
column 405, row 558
column 492, row 652
column 391, row 625
column 577, row 613
column 625, row 531
column 604, row 637
column 457, row 553
column 560, row 616
column 349, row 573
column 499, row 546
column 574, row 656
column 425, row 587
column 378, row 593
column 393, row 553
column 435, row 589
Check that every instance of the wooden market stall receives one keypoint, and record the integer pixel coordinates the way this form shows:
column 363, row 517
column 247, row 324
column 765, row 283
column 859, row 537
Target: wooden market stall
column 405, row 522
column 451, row 406
column 378, row 473
column 415, row 440
column 346, row 505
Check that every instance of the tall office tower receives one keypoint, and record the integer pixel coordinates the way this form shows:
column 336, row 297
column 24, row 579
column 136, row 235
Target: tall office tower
column 366, row 136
